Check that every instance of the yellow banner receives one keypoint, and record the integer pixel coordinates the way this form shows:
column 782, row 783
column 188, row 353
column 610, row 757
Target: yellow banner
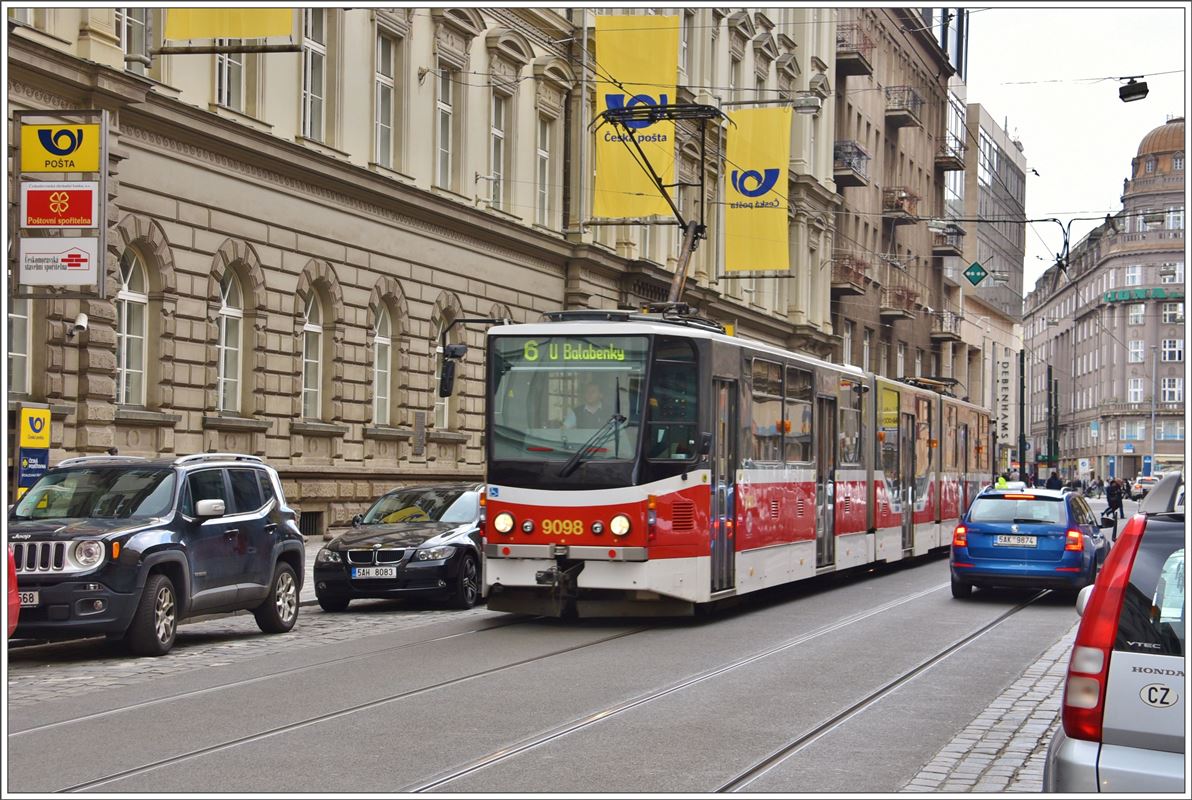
column 60, row 148
column 35, row 428
column 638, row 64
column 228, row 23
column 756, row 230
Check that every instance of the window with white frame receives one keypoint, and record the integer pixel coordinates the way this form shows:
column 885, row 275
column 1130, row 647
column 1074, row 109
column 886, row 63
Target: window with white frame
column 848, row 342
column 734, row 77
column 1134, row 430
column 445, row 407
column 132, row 303
column 1173, row 312
column 132, row 29
column 1133, row 275
column 229, row 76
column 1173, row 349
column 1172, row 273
column 1135, row 395
column 1111, row 430
column 1137, row 313
column 382, row 341
column 312, row 357
column 918, row 362
column 883, row 357
column 229, row 346
column 314, row 72
column 1137, row 351
column 18, row 345
column 445, row 127
column 1177, row 161
column 1175, row 218
column 1171, row 390
column 384, row 99
column 543, row 177
column 685, row 44
column 497, row 130
column 866, row 345
column 901, row 356
column 1171, row 429
column 1150, row 164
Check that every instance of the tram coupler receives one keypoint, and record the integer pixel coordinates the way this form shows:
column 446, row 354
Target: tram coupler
column 562, row 582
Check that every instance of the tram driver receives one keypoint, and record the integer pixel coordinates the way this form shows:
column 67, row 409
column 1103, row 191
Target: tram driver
column 591, row 413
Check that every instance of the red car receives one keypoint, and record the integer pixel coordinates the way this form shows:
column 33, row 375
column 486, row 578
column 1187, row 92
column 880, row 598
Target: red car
column 14, row 599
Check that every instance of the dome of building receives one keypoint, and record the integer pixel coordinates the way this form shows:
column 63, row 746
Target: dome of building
column 1167, row 138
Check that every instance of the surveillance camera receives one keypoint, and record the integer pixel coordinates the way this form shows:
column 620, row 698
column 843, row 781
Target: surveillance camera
column 78, row 326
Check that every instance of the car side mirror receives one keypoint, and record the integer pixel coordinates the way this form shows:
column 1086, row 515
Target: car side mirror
column 705, row 444
column 1082, row 599
column 210, row 508
column 357, row 520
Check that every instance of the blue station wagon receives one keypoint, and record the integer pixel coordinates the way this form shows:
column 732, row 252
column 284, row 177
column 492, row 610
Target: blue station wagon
column 1037, row 538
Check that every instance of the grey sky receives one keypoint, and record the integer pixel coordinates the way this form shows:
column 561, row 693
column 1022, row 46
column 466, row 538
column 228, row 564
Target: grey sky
column 1076, row 133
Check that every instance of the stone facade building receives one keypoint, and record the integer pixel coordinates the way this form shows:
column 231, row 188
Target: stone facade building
column 290, row 234
column 1112, row 329
column 890, row 162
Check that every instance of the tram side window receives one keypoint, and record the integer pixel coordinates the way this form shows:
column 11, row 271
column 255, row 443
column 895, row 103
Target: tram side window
column 850, row 436
column 797, row 423
column 923, row 449
column 950, row 425
column 674, row 395
column 766, row 417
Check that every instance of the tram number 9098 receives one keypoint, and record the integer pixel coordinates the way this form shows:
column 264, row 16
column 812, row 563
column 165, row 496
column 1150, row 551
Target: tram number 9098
column 562, row 527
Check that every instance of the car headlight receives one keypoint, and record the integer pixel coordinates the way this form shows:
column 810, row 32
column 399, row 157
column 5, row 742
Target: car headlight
column 88, row 553
column 326, row 556
column 619, row 525
column 435, row 553
column 503, row 522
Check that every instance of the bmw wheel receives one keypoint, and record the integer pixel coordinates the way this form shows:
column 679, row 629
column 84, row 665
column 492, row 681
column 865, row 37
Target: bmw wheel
column 467, row 583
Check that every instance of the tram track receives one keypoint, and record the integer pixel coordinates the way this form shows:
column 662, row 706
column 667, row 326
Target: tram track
column 553, row 734
column 760, row 768
column 284, row 673
column 369, row 705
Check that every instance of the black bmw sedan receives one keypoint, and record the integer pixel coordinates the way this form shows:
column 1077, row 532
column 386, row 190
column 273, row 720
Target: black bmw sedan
column 416, row 542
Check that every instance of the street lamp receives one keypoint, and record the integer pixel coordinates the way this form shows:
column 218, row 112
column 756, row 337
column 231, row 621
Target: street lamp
column 1154, row 369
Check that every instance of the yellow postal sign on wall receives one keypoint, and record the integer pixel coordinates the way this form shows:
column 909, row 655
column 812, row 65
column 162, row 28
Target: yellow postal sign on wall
column 228, row 23
column 60, row 148
column 35, row 428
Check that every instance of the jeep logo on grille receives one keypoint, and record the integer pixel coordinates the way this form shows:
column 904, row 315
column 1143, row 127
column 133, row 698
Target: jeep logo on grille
column 1159, row 696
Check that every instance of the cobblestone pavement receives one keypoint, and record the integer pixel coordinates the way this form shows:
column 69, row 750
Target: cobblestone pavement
column 62, row 669
column 1003, row 749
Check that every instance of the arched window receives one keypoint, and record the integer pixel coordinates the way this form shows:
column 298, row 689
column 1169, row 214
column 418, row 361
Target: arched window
column 312, row 358
column 382, row 366
column 231, row 323
column 132, row 303
column 446, row 408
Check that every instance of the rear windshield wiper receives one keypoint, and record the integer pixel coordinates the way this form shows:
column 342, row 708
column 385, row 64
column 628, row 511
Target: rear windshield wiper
column 612, row 426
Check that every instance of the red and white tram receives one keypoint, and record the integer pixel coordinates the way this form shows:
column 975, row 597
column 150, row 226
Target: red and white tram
column 643, row 463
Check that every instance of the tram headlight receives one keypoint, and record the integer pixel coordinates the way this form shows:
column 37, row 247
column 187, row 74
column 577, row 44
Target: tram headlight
column 619, row 525
column 503, row 522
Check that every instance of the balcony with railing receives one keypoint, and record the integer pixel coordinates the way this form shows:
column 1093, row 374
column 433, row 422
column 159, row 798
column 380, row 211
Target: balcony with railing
column 945, row 326
column 900, row 205
column 903, row 106
column 850, row 164
column 899, row 295
column 849, row 273
column 854, row 51
column 949, row 157
column 947, row 244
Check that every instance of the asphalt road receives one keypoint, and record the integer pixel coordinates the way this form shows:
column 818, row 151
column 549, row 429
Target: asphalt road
column 386, row 698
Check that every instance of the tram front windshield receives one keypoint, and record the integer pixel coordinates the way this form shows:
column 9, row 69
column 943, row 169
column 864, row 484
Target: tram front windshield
column 555, row 395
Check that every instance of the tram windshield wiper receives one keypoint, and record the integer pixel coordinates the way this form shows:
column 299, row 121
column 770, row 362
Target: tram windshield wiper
column 611, row 427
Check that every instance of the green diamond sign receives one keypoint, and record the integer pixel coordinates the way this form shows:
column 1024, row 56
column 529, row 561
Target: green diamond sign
column 975, row 273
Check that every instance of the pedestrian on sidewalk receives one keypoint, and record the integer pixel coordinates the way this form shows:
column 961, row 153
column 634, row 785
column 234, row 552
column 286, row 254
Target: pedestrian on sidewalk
column 1054, row 481
column 1113, row 494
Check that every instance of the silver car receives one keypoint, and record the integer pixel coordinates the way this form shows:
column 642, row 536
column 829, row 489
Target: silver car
column 1124, row 704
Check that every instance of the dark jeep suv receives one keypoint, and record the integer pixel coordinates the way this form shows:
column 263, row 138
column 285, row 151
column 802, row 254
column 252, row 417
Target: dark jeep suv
column 127, row 546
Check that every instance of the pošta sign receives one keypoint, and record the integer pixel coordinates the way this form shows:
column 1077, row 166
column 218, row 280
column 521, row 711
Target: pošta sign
column 33, row 447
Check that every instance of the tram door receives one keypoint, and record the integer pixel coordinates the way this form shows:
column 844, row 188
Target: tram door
column 724, row 474
column 906, row 454
column 825, row 481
